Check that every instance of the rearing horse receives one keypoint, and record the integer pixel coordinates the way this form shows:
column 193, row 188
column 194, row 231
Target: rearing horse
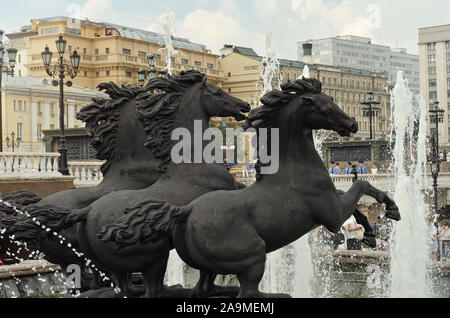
column 185, row 101
column 230, row 232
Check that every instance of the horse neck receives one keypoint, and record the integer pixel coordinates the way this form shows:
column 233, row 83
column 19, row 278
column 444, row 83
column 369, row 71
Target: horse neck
column 297, row 153
column 132, row 162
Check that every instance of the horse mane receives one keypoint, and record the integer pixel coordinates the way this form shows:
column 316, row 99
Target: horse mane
column 102, row 119
column 266, row 115
column 158, row 112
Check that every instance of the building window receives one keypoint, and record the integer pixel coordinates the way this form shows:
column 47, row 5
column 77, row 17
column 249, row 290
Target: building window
column 184, row 61
column 96, row 52
column 49, row 31
column 198, row 64
column 126, row 51
column 70, row 48
column 52, row 126
column 431, row 46
column 108, row 73
column 52, row 108
column 84, row 51
column 447, row 44
column 431, row 70
column 85, row 73
column 20, row 73
column 431, row 58
column 39, row 132
column 448, row 56
column 172, row 59
column 97, row 74
column 128, row 74
column 432, row 82
column 158, row 57
column 20, row 59
column 433, row 95
column 448, row 81
column 448, row 68
column 20, row 131
column 39, row 109
column 448, row 94
column 107, row 50
column 73, row 31
column 19, row 106
column 142, row 54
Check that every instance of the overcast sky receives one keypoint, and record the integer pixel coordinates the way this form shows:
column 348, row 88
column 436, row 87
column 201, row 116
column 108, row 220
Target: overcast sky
column 245, row 22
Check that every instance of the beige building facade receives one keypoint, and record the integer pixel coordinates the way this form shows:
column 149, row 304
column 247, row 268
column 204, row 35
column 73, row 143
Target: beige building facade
column 434, row 56
column 242, row 68
column 31, row 105
column 111, row 52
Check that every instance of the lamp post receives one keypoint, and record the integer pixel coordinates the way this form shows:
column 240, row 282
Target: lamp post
column 436, row 116
column 61, row 70
column 150, row 72
column 13, row 142
column 370, row 107
column 12, row 54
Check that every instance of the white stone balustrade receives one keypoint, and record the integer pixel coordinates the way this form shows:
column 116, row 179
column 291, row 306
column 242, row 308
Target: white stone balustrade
column 28, row 165
column 87, row 173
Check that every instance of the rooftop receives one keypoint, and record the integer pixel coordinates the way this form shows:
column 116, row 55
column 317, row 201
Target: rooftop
column 249, row 52
column 131, row 33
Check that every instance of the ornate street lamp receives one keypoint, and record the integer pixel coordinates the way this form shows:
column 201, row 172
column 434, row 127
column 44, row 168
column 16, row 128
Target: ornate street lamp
column 150, row 72
column 370, row 108
column 60, row 70
column 8, row 70
column 436, row 116
column 13, row 142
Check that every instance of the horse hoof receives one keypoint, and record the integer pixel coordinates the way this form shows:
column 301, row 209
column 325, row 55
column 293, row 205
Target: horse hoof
column 393, row 214
column 370, row 241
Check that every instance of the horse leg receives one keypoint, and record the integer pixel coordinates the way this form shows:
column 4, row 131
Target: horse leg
column 123, row 283
column 369, row 233
column 154, row 278
column 350, row 200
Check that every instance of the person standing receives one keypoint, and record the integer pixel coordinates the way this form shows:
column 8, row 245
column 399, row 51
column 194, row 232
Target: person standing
column 348, row 169
column 362, row 168
column 334, row 170
column 350, row 227
column 374, row 170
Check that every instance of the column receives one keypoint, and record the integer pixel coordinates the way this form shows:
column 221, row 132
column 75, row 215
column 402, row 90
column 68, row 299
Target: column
column 70, row 113
column 33, row 121
column 47, row 115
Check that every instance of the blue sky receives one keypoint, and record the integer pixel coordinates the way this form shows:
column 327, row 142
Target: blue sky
column 245, row 22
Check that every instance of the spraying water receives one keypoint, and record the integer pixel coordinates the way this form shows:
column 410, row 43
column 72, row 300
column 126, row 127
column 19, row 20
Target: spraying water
column 409, row 254
column 166, row 22
column 270, row 72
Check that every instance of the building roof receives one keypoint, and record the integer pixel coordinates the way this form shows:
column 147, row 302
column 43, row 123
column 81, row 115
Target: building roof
column 133, row 33
column 35, row 82
column 249, row 52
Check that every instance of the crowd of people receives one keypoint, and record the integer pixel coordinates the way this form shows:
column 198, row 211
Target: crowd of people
column 348, row 170
column 439, row 240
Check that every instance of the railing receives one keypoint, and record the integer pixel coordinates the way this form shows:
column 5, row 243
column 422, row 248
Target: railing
column 87, row 174
column 28, row 165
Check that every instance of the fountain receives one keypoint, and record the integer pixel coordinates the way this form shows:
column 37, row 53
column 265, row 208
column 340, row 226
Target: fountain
column 409, row 253
column 166, row 22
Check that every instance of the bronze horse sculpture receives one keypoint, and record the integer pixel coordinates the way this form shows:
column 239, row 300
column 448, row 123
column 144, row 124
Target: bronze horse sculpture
column 118, row 138
column 230, row 232
column 182, row 102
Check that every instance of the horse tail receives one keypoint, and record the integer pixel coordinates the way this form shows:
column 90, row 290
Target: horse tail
column 149, row 221
column 37, row 222
column 22, row 198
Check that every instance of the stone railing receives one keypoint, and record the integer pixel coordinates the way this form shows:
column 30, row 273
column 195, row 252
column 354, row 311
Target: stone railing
column 28, row 165
column 87, row 173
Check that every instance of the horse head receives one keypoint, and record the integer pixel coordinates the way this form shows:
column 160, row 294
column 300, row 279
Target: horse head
column 103, row 119
column 318, row 109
